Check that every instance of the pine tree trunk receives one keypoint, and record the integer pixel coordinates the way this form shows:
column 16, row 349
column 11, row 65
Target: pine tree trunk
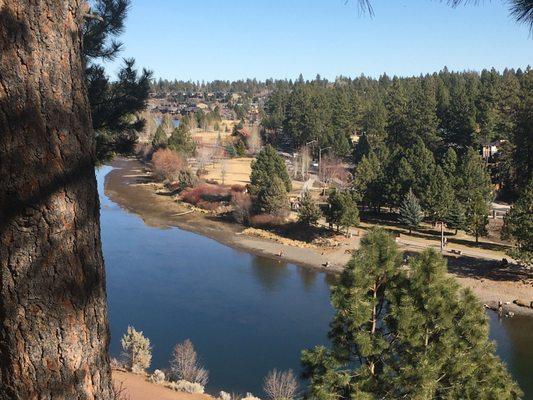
column 53, row 319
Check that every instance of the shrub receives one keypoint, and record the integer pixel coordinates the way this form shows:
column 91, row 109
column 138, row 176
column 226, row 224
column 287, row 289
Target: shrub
column 184, row 364
column 185, row 386
column 238, row 188
column 167, row 165
column 116, row 364
column 136, row 350
column 157, row 377
column 224, row 396
column 208, row 205
column 206, row 192
column 280, row 385
column 241, row 204
column 119, row 392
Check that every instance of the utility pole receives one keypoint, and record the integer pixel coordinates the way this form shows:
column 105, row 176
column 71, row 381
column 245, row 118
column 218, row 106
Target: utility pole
column 442, row 237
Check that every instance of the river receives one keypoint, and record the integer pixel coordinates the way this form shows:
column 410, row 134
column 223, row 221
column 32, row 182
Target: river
column 245, row 314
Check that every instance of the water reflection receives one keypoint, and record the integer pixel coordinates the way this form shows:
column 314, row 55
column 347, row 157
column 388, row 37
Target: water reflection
column 269, row 273
column 245, row 314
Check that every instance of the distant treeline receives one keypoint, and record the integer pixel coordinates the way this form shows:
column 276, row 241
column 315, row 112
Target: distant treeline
column 248, row 86
column 395, row 117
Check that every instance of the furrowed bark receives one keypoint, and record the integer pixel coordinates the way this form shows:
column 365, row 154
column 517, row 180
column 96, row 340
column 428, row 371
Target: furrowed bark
column 54, row 333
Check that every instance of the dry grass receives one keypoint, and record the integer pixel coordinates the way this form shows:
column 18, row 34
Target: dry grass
column 237, row 171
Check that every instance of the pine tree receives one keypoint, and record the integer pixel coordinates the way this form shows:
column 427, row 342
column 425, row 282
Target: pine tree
column 455, row 219
column 167, row 124
column 477, row 216
column 439, row 196
column 449, row 165
column 357, row 333
column 309, row 213
column 399, row 334
column 342, row 210
column 265, row 167
column 273, row 199
column 473, row 178
column 53, row 320
column 519, row 226
column 410, row 212
column 160, row 137
column 433, row 323
column 113, row 104
column 181, row 141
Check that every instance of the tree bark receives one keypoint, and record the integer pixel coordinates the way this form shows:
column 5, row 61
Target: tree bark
column 54, row 334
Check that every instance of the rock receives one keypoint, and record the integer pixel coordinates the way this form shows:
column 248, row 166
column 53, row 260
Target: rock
column 523, row 303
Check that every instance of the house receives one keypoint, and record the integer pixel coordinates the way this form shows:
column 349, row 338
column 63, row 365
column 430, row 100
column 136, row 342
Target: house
column 490, row 149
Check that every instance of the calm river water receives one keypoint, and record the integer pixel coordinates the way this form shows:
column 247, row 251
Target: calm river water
column 245, row 314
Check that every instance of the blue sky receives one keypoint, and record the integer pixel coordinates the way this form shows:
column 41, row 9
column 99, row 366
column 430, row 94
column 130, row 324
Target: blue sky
column 234, row 39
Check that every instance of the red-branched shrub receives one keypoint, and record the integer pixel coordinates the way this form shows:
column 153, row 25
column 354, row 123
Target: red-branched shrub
column 238, row 188
column 167, row 165
column 266, row 220
column 205, row 192
column 242, row 204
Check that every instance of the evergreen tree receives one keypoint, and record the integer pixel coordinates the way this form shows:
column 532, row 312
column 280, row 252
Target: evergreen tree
column 181, row 141
column 113, row 104
column 342, row 210
column 309, row 213
column 439, row 197
column 455, row 219
column 357, row 333
column 473, row 178
column 409, row 335
column 273, row 199
column 433, row 322
column 240, row 148
column 519, row 227
column 449, row 165
column 160, row 137
column 477, row 216
column 410, row 212
column 167, row 124
column 265, row 167
column 523, row 136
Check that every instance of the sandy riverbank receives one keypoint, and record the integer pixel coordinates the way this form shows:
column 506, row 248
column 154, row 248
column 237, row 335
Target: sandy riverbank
column 137, row 387
column 130, row 186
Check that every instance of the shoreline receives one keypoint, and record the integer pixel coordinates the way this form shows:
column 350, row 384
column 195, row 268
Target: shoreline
column 129, row 186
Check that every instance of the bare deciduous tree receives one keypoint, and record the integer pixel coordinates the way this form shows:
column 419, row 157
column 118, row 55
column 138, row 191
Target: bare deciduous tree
column 185, row 365
column 254, row 140
column 280, row 385
column 204, row 156
column 332, row 168
column 223, row 170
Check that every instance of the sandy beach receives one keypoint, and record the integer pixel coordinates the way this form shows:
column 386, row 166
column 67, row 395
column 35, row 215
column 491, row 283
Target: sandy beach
column 130, row 186
column 137, row 387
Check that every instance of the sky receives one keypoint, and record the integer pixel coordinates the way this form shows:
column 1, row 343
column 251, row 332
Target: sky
column 238, row 39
